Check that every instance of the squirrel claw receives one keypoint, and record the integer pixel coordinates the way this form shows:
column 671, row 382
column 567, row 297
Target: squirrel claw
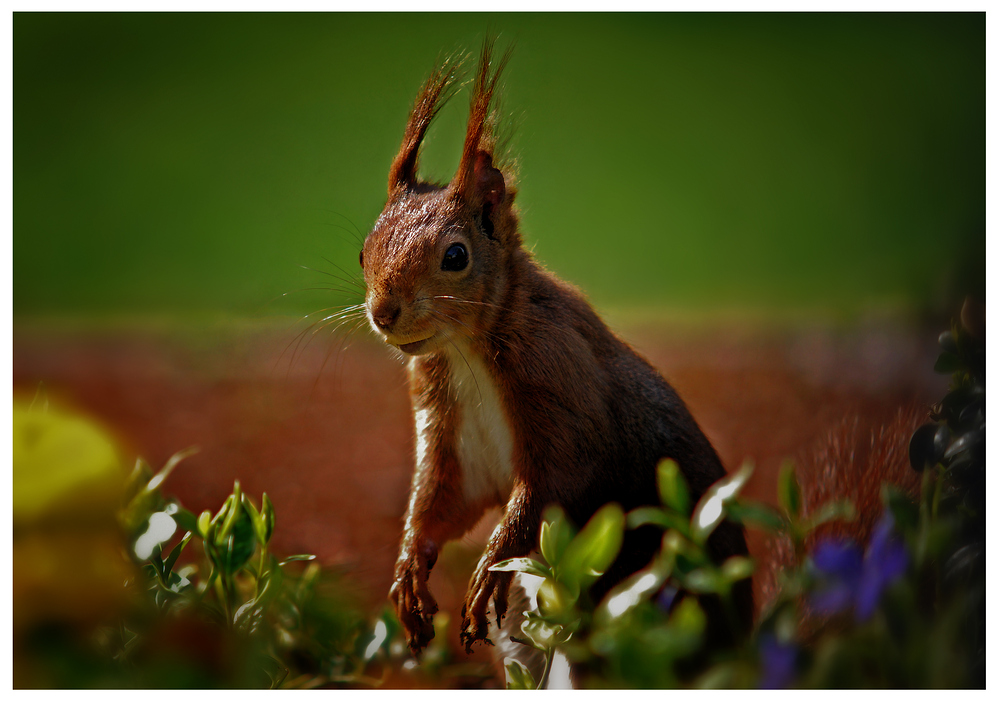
column 474, row 629
column 415, row 606
column 470, row 638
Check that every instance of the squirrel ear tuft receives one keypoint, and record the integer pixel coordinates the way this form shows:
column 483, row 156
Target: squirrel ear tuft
column 477, row 180
column 436, row 91
column 489, row 184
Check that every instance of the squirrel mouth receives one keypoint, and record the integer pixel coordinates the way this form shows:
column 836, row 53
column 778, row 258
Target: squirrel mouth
column 415, row 348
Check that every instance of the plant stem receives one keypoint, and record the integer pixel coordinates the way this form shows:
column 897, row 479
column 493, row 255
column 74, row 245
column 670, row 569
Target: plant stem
column 260, row 573
column 222, row 591
column 924, row 518
column 938, row 485
column 549, row 655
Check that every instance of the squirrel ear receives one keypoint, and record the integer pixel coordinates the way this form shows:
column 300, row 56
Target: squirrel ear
column 489, row 184
column 486, row 190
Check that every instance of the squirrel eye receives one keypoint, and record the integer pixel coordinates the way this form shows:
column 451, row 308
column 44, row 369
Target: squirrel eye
column 361, row 258
column 455, row 259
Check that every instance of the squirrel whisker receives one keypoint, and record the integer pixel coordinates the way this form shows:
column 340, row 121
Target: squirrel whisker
column 356, row 233
column 360, row 287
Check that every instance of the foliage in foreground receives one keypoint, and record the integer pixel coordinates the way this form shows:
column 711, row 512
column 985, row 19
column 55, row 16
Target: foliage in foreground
column 118, row 586
column 907, row 611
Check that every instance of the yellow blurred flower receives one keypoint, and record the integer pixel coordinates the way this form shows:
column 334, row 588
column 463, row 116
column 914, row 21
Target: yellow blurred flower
column 69, row 561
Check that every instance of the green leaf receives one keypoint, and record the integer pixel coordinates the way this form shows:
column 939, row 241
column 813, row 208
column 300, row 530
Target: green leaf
column 223, row 513
column 905, row 512
column 169, row 562
column 711, row 508
column 556, row 602
column 185, row 519
column 737, row 568
column 156, row 559
column 525, row 564
column 748, row 512
column 555, row 535
column 270, row 582
column 140, row 476
column 648, row 515
column 542, row 633
column 247, row 618
column 139, row 509
column 632, row 591
column 518, row 676
column 672, row 486
column 789, row 494
column 239, row 546
column 594, row 549
column 177, row 583
column 834, row 510
column 267, row 514
column 169, row 467
column 235, row 504
column 204, row 524
column 689, row 617
column 297, row 557
column 159, row 528
column 259, row 528
column 720, row 676
column 148, row 499
column 704, row 580
column 676, row 544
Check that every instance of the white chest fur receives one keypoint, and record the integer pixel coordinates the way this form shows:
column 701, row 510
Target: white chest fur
column 483, row 440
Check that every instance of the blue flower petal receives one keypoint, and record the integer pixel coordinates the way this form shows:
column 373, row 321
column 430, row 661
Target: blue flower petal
column 882, row 536
column 777, row 662
column 838, row 557
column 885, row 561
column 867, row 595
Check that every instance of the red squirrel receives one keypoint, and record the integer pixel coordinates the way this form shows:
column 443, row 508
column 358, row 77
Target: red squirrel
column 522, row 397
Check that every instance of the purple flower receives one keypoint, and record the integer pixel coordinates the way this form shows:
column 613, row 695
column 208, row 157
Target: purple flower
column 841, row 564
column 885, row 561
column 777, row 660
column 852, row 580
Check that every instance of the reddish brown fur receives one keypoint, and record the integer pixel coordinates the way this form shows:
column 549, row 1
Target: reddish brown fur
column 586, row 417
column 431, row 98
column 479, row 136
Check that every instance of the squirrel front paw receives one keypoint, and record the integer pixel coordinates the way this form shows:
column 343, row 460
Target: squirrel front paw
column 475, row 620
column 415, row 606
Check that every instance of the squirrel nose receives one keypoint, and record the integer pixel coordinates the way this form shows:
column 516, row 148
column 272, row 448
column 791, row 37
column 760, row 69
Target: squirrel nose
column 385, row 314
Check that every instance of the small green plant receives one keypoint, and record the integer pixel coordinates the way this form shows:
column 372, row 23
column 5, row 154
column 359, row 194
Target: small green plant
column 575, row 562
column 288, row 622
column 647, row 627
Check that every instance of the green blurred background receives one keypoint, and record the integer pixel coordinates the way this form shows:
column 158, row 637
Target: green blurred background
column 188, row 164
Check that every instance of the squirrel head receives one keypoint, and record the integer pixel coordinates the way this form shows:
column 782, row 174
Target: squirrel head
column 435, row 262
